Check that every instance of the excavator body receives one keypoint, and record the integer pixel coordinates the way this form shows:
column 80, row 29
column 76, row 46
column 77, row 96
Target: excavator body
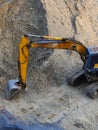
column 89, row 72
column 89, row 56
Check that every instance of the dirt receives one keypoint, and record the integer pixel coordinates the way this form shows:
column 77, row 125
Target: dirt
column 48, row 98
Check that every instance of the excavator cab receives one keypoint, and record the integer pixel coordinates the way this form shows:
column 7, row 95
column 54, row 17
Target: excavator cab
column 91, row 64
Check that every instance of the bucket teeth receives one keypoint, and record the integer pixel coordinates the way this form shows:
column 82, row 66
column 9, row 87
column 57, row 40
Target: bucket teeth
column 12, row 89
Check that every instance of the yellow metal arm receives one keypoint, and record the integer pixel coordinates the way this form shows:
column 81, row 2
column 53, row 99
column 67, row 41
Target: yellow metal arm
column 23, row 59
column 63, row 44
column 45, row 42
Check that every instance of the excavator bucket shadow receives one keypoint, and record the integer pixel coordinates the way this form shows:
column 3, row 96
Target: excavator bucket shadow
column 12, row 89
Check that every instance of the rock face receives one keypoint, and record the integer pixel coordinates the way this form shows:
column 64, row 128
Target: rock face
column 77, row 19
column 48, row 68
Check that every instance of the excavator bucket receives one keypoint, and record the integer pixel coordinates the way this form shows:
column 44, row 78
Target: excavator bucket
column 12, row 89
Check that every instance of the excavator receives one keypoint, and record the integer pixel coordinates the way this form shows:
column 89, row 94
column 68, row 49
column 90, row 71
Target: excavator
column 89, row 56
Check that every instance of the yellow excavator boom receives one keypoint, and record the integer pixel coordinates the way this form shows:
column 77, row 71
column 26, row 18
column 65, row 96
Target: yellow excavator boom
column 45, row 42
